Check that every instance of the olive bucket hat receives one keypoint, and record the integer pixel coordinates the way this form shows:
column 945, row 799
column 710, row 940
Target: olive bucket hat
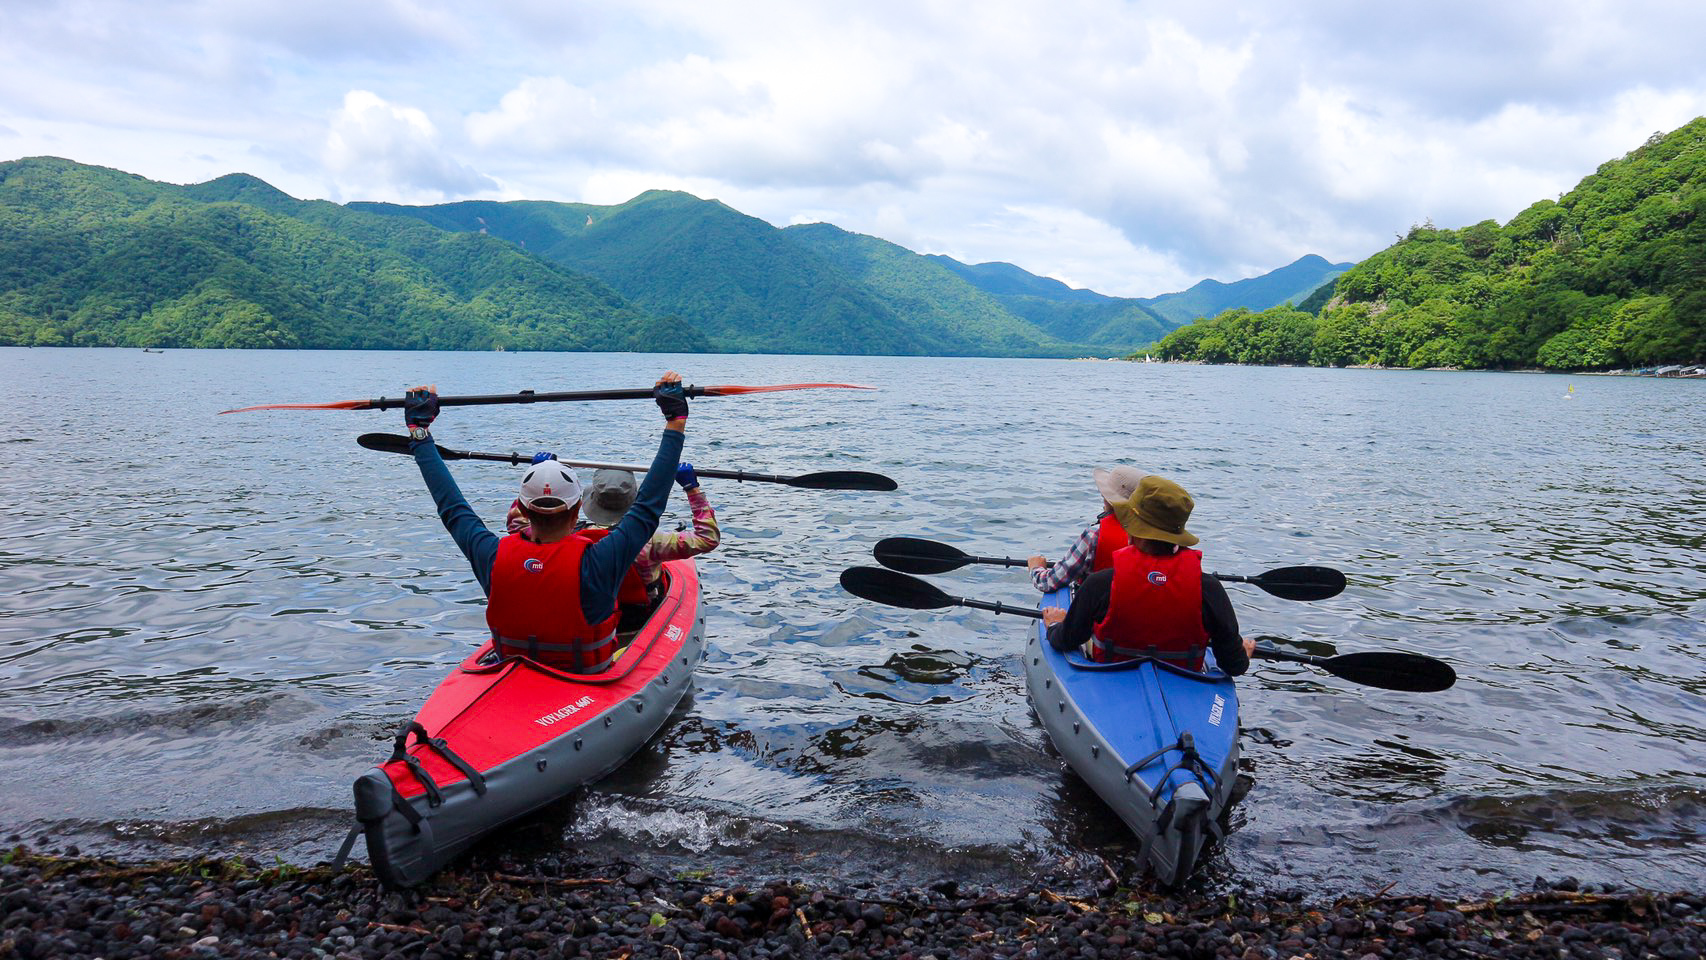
column 1157, row 510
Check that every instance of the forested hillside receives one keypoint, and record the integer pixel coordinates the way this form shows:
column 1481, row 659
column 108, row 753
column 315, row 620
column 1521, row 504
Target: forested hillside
column 734, row 277
column 96, row 257
column 1612, row 274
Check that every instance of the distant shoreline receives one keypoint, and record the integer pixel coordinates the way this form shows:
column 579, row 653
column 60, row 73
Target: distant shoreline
column 1685, row 371
column 1698, row 374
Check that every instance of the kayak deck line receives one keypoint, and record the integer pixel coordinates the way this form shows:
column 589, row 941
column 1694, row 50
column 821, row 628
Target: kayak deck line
column 532, row 733
column 1158, row 743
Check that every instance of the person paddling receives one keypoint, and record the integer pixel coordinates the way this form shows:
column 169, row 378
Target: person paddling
column 1094, row 548
column 551, row 598
column 1154, row 600
column 607, row 499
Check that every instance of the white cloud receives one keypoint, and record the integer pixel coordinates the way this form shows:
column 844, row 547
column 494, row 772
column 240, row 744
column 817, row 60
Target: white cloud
column 376, row 149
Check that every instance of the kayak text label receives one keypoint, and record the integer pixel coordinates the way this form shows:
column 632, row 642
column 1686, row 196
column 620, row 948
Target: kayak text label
column 559, row 714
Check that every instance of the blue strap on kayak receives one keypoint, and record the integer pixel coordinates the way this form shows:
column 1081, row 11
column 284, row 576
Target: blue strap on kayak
column 1189, row 761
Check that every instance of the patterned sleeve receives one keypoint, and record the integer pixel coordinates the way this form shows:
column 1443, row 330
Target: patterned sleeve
column 515, row 521
column 1072, row 568
column 679, row 546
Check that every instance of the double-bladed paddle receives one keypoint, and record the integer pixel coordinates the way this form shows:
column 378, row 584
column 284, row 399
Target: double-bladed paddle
column 1409, row 672
column 529, row 396
column 825, row 480
column 913, row 555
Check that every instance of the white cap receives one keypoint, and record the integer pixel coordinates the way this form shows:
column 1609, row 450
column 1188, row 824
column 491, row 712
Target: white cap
column 550, row 487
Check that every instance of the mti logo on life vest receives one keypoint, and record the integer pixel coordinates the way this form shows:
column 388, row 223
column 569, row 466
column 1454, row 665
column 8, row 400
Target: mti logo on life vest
column 1158, row 578
column 533, row 565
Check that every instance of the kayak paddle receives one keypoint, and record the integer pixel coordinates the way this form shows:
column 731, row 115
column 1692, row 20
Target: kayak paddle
column 913, row 555
column 899, row 590
column 826, row 480
column 1409, row 672
column 529, row 396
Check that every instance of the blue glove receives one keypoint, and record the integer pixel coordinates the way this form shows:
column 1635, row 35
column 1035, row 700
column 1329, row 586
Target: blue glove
column 685, row 476
column 420, row 407
column 671, row 399
column 543, row 456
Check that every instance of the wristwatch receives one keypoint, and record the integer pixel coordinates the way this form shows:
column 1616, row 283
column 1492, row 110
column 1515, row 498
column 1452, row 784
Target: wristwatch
column 418, row 432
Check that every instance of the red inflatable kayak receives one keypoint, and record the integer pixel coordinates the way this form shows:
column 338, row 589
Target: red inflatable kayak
column 500, row 739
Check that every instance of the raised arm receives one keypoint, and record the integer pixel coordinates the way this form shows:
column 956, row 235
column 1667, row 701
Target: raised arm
column 605, row 562
column 477, row 543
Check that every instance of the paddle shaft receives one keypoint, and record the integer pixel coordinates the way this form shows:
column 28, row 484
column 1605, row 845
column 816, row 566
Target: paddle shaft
column 1269, row 652
column 841, row 479
column 529, row 396
column 532, row 396
column 996, row 606
column 913, row 555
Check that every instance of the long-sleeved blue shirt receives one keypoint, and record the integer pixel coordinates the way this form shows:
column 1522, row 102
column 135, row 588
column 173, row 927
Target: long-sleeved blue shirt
column 602, row 565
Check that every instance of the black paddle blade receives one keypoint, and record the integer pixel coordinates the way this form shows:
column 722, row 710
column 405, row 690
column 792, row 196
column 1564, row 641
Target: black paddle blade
column 1409, row 672
column 384, row 442
column 895, row 589
column 912, row 555
column 843, row 480
column 1301, row 583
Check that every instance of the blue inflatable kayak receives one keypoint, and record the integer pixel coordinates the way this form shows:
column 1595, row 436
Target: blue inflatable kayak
column 1157, row 743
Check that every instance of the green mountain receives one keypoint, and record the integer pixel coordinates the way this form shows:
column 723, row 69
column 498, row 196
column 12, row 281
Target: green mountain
column 1292, row 283
column 937, row 299
column 804, row 289
column 734, row 277
column 1611, row 274
column 95, row 257
column 1078, row 316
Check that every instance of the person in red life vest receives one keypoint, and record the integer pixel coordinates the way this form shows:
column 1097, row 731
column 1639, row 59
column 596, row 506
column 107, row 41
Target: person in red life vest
column 607, row 500
column 1094, row 548
column 1154, row 600
column 552, row 596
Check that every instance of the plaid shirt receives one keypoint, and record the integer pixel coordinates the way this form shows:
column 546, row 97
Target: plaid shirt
column 663, row 546
column 1075, row 566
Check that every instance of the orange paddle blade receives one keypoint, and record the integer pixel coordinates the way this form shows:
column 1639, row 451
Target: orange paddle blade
column 340, row 405
column 731, row 390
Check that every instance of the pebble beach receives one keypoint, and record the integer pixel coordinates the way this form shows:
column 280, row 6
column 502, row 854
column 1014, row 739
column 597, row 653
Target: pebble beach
column 63, row 905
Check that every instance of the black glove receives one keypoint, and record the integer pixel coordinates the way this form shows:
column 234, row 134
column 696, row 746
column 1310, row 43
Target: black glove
column 420, row 408
column 672, row 399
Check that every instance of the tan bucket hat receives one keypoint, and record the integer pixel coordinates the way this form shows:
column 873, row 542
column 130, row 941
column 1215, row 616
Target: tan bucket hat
column 1157, row 510
column 1118, row 484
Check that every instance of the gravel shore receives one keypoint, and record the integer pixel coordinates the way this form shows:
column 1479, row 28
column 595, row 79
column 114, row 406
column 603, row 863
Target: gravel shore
column 68, row 906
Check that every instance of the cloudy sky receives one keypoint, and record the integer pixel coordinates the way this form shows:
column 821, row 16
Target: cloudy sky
column 1130, row 147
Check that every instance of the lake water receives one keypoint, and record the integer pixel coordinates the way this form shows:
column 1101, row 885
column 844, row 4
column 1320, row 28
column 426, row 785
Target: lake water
column 209, row 626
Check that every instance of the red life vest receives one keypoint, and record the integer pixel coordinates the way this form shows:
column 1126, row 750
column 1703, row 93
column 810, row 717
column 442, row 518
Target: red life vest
column 1154, row 610
column 1109, row 539
column 534, row 609
column 632, row 592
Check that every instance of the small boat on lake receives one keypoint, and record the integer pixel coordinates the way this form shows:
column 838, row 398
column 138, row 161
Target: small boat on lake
column 1158, row 743
column 501, row 738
